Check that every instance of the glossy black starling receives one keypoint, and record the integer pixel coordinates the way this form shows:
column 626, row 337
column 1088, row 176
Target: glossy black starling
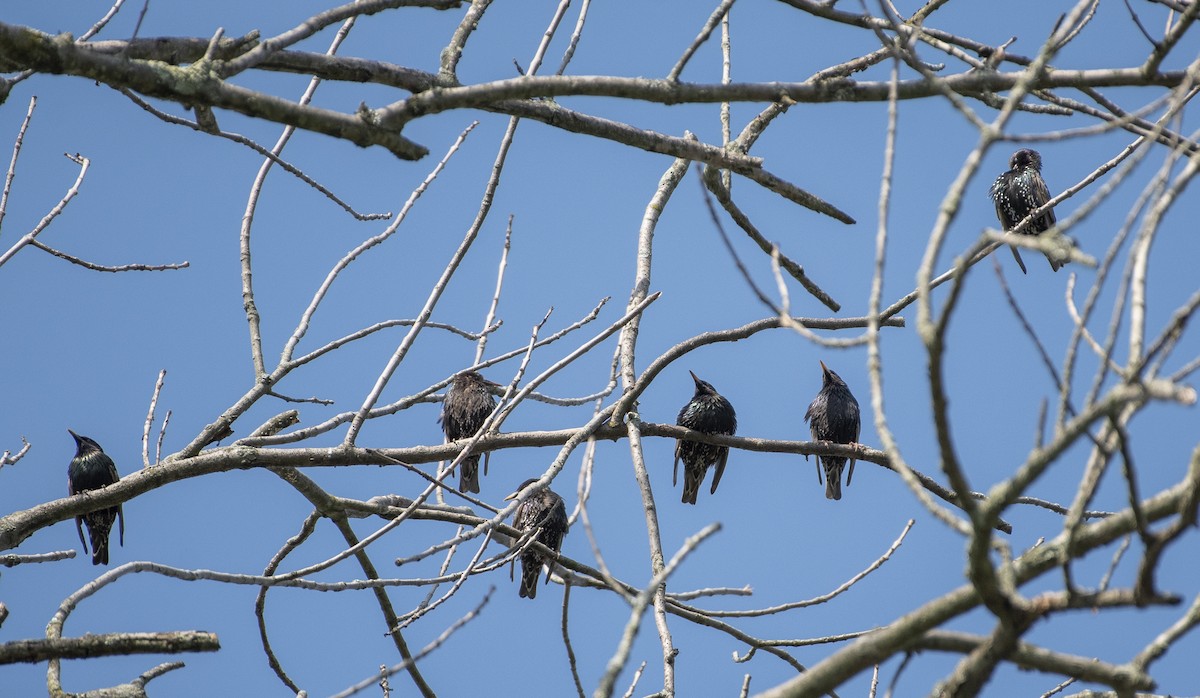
column 545, row 513
column 1017, row 193
column 468, row 404
column 710, row 413
column 91, row 469
column 833, row 416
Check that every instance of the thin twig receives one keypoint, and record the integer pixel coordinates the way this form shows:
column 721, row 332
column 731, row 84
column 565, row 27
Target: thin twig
column 158, row 385
column 705, row 32
column 490, row 319
column 12, row 164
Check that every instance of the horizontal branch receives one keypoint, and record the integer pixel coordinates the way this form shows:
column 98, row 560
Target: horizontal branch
column 196, row 85
column 183, row 50
column 201, row 84
column 107, row 645
column 12, row 560
column 16, row 527
column 834, row 90
column 1028, row 656
column 431, row 97
column 104, row 267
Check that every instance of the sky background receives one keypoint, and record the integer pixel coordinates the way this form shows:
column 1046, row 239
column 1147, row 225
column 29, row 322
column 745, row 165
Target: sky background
column 82, row 349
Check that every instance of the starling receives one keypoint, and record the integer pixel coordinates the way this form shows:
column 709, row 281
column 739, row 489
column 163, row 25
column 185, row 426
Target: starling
column 467, row 406
column 710, row 413
column 1017, row 193
column 833, row 416
column 92, row 469
column 544, row 513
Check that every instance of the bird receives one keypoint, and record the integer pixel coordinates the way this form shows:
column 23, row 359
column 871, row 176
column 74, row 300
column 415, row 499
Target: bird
column 833, row 416
column 92, row 469
column 710, row 413
column 467, row 406
column 544, row 514
column 1017, row 193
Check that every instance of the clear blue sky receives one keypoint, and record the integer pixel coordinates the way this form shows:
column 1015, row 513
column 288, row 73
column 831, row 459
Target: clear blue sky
column 82, row 349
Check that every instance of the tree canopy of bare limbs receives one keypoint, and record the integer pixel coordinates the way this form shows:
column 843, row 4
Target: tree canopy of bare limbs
column 321, row 214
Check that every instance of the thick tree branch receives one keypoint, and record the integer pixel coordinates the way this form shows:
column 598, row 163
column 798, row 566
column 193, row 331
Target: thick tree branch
column 107, row 645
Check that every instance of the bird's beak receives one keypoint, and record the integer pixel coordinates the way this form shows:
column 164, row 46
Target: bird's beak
column 824, row 368
column 512, row 496
column 73, row 435
column 695, row 378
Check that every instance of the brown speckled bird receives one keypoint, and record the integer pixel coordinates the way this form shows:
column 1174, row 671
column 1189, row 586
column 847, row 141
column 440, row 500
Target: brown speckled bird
column 545, row 514
column 1019, row 192
column 710, row 413
column 92, row 469
column 468, row 403
column 833, row 416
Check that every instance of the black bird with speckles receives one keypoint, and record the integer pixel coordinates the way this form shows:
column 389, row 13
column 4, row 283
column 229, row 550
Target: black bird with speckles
column 91, row 469
column 467, row 406
column 544, row 514
column 710, row 413
column 833, row 416
column 1018, row 193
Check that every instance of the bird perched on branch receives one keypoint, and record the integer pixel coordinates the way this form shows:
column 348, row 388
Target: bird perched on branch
column 545, row 515
column 92, row 469
column 833, row 416
column 710, row 413
column 468, row 404
column 1019, row 192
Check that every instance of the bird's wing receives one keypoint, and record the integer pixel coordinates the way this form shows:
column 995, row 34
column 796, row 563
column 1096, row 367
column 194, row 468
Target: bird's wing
column 1041, row 193
column 550, row 521
column 808, row 415
column 720, row 470
column 1017, row 256
column 995, row 190
column 521, row 516
column 857, row 431
column 1000, row 215
column 542, row 517
column 556, row 528
column 111, row 467
column 79, row 529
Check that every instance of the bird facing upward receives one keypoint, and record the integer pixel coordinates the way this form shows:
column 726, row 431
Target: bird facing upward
column 1020, row 191
column 710, row 413
column 833, row 416
column 467, row 406
column 544, row 514
column 92, row 469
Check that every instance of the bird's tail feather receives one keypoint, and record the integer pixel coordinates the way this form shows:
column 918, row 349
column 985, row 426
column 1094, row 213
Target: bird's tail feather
column 99, row 525
column 531, row 569
column 1020, row 262
column 468, row 479
column 691, row 483
column 833, row 476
